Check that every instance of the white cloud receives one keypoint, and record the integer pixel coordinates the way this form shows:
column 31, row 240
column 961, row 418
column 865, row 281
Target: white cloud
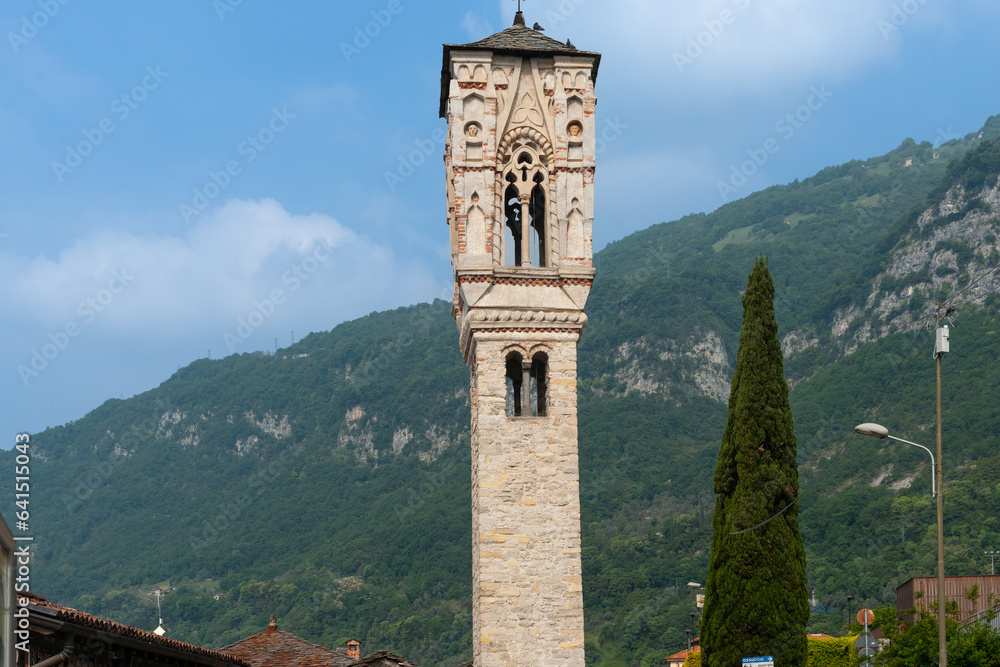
column 198, row 285
column 722, row 48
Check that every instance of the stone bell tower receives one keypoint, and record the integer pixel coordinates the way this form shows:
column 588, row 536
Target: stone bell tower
column 520, row 167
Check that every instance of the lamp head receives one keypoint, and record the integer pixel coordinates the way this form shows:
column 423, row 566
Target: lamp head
column 874, row 430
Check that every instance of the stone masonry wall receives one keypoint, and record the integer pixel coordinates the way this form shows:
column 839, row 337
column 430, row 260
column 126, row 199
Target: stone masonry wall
column 527, row 587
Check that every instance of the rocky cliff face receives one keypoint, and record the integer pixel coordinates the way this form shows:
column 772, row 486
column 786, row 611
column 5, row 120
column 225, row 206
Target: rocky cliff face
column 944, row 251
column 950, row 251
column 698, row 364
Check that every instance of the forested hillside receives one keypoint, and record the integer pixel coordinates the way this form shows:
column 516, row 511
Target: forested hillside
column 329, row 483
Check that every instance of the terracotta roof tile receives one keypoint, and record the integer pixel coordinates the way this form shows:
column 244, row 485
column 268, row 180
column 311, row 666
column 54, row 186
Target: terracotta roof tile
column 681, row 655
column 277, row 648
column 70, row 615
column 374, row 658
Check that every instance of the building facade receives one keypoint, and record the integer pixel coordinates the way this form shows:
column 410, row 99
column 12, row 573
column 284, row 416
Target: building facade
column 920, row 592
column 520, row 160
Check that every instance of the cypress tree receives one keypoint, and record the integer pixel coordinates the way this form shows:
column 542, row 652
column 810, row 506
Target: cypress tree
column 756, row 595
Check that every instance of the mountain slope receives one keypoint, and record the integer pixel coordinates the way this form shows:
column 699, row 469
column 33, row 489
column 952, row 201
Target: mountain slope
column 329, row 483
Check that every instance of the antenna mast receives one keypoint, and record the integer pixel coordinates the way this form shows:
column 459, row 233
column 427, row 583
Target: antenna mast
column 159, row 628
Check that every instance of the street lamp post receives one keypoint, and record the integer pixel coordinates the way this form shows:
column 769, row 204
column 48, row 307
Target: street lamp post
column 992, row 554
column 881, row 432
column 693, row 630
column 849, row 612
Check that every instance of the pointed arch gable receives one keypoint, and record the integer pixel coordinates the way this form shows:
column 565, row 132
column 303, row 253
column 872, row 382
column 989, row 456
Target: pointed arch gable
column 524, row 136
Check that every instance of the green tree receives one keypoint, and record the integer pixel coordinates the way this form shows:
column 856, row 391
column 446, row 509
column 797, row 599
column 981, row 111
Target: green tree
column 757, row 599
column 915, row 644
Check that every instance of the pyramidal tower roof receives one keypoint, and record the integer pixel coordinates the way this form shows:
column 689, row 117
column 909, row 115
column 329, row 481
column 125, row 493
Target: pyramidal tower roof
column 519, row 37
column 519, row 40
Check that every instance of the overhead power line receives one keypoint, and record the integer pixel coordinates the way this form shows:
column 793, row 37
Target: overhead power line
column 888, row 390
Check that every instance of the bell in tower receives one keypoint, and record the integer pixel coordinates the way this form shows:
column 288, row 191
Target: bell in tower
column 520, row 167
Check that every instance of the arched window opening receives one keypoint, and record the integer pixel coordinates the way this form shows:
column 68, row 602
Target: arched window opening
column 527, row 385
column 539, row 384
column 512, row 228
column 527, row 241
column 515, row 381
column 537, row 211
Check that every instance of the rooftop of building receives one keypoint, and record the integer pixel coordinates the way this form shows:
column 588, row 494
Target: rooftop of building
column 519, row 37
column 681, row 656
column 518, row 40
column 383, row 658
column 41, row 608
column 277, row 648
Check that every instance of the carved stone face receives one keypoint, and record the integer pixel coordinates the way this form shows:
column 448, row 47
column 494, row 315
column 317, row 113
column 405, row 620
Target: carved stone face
column 472, row 131
column 575, row 130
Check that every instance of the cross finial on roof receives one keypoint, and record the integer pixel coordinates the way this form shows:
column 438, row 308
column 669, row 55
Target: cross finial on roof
column 519, row 17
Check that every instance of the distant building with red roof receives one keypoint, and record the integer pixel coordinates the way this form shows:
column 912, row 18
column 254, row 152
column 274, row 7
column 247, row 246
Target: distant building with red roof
column 277, row 648
column 383, row 659
column 678, row 659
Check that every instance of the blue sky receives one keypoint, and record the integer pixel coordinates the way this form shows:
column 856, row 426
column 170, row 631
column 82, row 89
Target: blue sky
column 171, row 170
